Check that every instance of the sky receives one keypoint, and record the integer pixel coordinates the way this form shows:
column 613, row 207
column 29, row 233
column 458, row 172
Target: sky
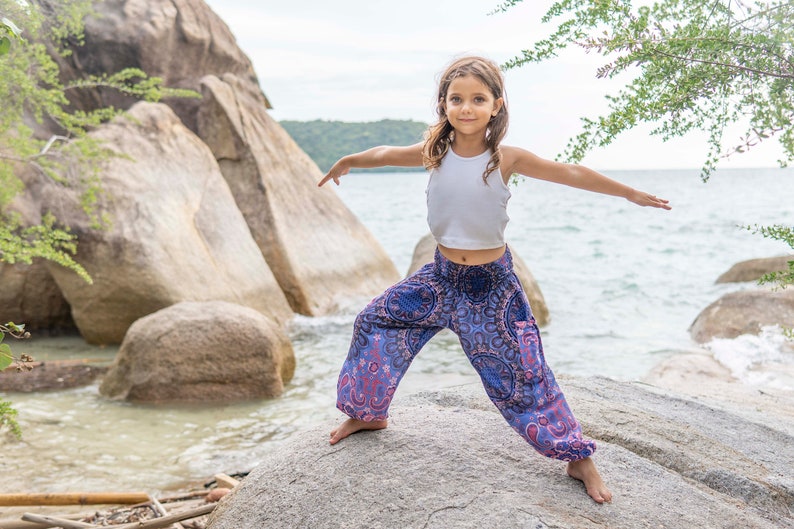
column 366, row 60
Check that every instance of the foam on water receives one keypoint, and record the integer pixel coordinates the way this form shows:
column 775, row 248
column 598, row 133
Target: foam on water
column 765, row 360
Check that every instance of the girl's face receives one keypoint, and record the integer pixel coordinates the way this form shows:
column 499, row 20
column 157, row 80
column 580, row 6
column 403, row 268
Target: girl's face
column 470, row 105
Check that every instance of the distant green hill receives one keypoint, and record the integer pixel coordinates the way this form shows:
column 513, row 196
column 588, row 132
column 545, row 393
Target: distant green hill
column 327, row 141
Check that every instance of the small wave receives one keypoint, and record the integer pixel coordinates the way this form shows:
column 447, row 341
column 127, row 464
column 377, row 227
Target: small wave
column 766, row 359
column 309, row 322
column 568, row 228
column 311, row 328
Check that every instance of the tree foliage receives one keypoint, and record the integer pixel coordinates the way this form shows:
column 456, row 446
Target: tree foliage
column 7, row 413
column 8, row 419
column 6, row 358
column 8, row 32
column 327, row 141
column 778, row 232
column 696, row 65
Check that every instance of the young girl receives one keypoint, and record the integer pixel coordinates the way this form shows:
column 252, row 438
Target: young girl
column 470, row 287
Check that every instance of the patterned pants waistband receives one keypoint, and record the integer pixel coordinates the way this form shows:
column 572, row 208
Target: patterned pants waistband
column 473, row 277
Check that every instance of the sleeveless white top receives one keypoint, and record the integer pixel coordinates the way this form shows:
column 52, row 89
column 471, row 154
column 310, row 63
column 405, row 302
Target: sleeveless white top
column 464, row 212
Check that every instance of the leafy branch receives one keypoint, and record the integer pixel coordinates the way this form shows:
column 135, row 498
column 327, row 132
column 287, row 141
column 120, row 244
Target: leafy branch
column 7, row 359
column 19, row 244
column 8, row 32
column 8, row 415
column 783, row 278
column 133, row 82
column 694, row 66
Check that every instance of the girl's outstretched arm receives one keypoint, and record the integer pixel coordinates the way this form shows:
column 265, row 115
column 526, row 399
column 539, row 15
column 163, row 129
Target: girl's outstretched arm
column 410, row 156
column 515, row 160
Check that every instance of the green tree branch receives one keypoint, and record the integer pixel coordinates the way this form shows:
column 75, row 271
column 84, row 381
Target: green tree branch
column 694, row 66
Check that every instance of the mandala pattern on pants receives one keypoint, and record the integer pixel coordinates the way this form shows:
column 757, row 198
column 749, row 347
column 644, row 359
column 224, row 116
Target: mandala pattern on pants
column 486, row 307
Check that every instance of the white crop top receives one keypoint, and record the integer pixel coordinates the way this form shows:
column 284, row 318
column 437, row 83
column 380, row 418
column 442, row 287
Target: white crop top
column 464, row 212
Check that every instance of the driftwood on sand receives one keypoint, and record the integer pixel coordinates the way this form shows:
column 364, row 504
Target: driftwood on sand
column 155, row 523
column 147, row 512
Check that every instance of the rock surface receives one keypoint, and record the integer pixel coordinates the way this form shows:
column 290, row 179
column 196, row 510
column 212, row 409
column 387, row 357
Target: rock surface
column 743, row 312
column 449, row 460
column 176, row 231
column 30, row 295
column 317, row 249
column 425, row 250
column 210, row 351
column 49, row 376
column 753, row 269
column 698, row 375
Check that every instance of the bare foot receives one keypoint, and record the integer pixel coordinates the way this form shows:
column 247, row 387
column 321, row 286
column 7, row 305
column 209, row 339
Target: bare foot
column 352, row 426
column 585, row 471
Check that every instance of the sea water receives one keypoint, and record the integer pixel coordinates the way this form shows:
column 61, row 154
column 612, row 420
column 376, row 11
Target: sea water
column 623, row 284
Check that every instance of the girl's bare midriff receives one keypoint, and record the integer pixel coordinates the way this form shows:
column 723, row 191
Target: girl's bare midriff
column 471, row 257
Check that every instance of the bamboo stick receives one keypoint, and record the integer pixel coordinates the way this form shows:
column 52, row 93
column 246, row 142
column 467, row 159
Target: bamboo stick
column 165, row 521
column 73, row 498
column 162, row 512
column 52, row 521
column 20, row 524
column 184, row 496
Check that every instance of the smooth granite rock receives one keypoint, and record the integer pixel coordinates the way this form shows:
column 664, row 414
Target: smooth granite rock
column 209, row 351
column 448, row 460
column 753, row 269
column 175, row 231
column 744, row 312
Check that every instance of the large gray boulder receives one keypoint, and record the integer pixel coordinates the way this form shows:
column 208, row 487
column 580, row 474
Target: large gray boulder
column 201, row 351
column 176, row 233
column 448, row 460
column 318, row 250
column 754, row 269
column 425, row 250
column 744, row 312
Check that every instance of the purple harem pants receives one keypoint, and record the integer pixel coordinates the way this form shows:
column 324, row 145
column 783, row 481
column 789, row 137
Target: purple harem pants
column 488, row 310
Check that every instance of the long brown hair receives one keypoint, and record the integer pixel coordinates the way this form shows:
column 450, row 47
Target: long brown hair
column 439, row 136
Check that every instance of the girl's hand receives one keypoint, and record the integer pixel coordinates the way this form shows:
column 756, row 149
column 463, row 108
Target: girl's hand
column 646, row 199
column 338, row 170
